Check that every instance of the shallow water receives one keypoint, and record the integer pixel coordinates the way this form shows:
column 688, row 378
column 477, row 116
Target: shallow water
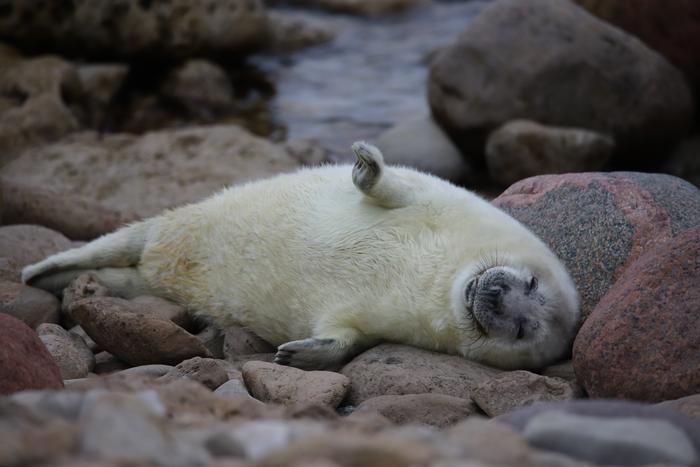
column 372, row 75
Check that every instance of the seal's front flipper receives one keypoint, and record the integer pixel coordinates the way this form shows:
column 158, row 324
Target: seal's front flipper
column 322, row 353
column 378, row 182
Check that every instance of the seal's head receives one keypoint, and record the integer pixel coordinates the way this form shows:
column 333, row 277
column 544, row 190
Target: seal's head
column 512, row 315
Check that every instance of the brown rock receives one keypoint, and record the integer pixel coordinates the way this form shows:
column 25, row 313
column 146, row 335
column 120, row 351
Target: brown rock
column 83, row 286
column 641, row 341
column 74, row 216
column 521, row 149
column 204, row 370
column 24, row 361
column 138, row 30
column 141, row 175
column 688, row 406
column 241, row 341
column 270, row 382
column 599, row 224
column 431, row 409
column 517, row 389
column 135, row 339
column 74, row 358
column 671, row 28
column 31, row 305
column 149, row 306
column 27, row 244
column 397, row 369
column 557, row 65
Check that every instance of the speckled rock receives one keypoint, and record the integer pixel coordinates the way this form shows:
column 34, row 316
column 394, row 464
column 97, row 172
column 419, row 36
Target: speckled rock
column 134, row 338
column 522, row 148
column 134, row 29
column 688, row 406
column 557, row 65
column 31, row 305
column 420, row 143
column 140, row 175
column 24, row 361
column 642, row 341
column 270, row 382
column 431, row 409
column 397, row 369
column 204, row 370
column 149, row 306
column 624, row 214
column 27, row 244
column 83, row 286
column 71, row 353
column 517, row 389
column 672, row 28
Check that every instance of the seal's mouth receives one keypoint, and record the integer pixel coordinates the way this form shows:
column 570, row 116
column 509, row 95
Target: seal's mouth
column 470, row 298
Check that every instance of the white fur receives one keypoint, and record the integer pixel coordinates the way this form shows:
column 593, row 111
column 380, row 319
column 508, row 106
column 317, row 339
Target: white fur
column 307, row 254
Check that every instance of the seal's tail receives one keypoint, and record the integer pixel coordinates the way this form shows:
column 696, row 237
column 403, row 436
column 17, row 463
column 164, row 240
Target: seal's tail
column 120, row 249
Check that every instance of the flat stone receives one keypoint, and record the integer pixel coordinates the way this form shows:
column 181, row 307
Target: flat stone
column 289, row 386
column 641, row 340
column 517, row 389
column 74, row 358
column 437, row 410
column 148, row 370
column 135, row 339
column 24, row 361
column 397, row 369
column 605, row 441
column 31, row 305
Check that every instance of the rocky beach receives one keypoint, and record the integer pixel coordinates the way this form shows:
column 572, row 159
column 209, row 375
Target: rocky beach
column 580, row 119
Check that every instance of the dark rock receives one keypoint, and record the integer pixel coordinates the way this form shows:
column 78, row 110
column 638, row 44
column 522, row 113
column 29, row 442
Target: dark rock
column 241, row 341
column 624, row 214
column 24, row 361
column 521, row 149
column 551, row 62
column 31, row 305
column 397, row 369
column 200, row 88
column 641, row 341
column 138, row 30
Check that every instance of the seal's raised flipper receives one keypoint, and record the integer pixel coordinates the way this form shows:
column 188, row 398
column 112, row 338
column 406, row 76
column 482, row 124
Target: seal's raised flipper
column 378, row 182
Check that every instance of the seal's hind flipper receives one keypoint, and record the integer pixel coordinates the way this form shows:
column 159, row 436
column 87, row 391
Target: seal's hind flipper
column 376, row 181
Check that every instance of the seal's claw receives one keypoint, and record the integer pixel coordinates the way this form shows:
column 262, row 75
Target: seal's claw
column 368, row 167
column 307, row 354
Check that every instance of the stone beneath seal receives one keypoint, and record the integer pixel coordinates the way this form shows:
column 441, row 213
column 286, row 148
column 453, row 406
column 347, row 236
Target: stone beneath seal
column 624, row 214
column 24, row 361
column 397, row 369
column 134, row 338
column 525, row 58
column 269, row 382
column 642, row 340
